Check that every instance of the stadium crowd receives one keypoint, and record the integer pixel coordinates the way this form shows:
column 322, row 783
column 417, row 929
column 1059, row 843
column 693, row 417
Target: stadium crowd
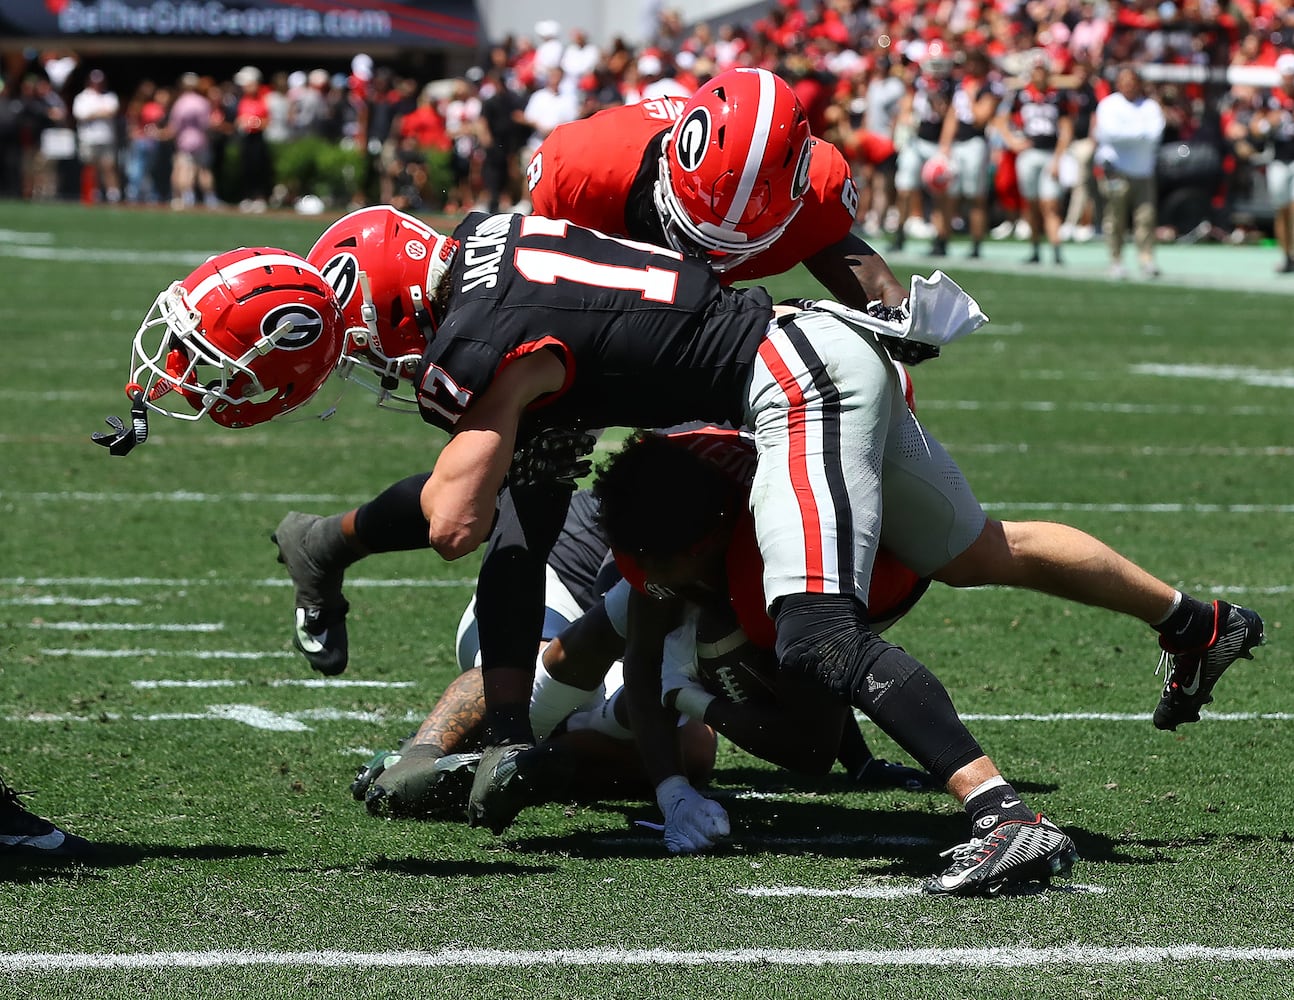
column 868, row 74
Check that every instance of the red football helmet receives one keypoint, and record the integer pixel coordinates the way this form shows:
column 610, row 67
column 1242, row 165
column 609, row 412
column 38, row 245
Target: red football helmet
column 734, row 167
column 385, row 267
column 938, row 174
column 249, row 335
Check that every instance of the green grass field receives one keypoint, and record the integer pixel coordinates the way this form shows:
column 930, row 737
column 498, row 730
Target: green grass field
column 148, row 689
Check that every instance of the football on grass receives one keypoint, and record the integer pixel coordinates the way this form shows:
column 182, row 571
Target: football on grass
column 729, row 665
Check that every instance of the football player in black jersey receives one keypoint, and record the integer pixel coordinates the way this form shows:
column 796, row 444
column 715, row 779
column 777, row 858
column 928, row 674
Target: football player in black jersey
column 533, row 325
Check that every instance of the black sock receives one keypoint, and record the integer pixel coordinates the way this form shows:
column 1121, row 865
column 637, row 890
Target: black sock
column 1188, row 626
column 393, row 521
column 994, row 805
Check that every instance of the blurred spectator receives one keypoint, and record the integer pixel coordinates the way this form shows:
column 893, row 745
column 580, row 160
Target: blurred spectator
column 310, row 111
column 44, row 139
column 549, row 51
column 10, row 142
column 1034, row 121
column 1128, row 128
column 251, row 119
column 463, row 123
column 406, row 181
column 1276, row 125
column 278, row 123
column 977, row 92
column 189, row 126
column 145, row 118
column 548, row 107
column 502, row 113
column 655, row 79
column 95, row 110
column 580, row 58
column 1083, row 98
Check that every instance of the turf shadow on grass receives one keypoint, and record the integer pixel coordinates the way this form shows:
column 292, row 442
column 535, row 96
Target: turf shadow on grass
column 24, row 869
column 437, row 867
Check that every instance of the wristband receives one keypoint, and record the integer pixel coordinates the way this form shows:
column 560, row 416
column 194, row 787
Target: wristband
column 692, row 702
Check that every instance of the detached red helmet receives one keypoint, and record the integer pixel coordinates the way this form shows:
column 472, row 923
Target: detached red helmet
column 734, row 168
column 385, row 267
column 938, row 174
column 248, row 336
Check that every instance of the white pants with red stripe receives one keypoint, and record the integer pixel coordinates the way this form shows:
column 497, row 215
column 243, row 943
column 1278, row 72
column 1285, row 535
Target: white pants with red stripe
column 844, row 464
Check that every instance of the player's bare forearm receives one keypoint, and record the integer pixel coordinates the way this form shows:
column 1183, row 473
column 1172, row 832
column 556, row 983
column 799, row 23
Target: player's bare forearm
column 855, row 274
column 654, row 726
column 458, row 500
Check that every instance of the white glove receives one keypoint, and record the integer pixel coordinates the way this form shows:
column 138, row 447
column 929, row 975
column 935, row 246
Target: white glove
column 692, row 822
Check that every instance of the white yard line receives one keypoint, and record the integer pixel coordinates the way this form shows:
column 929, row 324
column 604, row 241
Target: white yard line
column 308, row 682
column 175, row 584
column 1004, row 957
column 188, row 654
column 129, row 626
column 873, row 891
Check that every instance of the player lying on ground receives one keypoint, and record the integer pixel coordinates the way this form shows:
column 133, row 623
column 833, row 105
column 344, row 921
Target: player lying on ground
column 682, row 551
column 577, row 687
column 543, row 325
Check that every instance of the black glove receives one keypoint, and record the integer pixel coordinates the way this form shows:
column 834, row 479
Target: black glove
column 121, row 439
column 555, row 455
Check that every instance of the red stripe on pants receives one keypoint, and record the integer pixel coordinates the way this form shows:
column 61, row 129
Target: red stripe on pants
column 798, row 463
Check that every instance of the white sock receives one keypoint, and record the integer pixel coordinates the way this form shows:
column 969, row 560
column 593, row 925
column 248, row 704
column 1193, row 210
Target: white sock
column 552, row 700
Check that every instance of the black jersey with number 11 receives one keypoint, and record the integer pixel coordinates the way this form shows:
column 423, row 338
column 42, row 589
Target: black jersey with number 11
column 647, row 336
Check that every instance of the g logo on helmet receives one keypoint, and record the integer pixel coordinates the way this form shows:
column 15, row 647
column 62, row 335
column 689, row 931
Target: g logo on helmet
column 692, row 139
column 342, row 274
column 800, row 183
column 307, row 326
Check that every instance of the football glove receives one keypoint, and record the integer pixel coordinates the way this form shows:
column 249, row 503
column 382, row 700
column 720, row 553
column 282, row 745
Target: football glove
column 906, row 352
column 692, row 822
column 553, row 456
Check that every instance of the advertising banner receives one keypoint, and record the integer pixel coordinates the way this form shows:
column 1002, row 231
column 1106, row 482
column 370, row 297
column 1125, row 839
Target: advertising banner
column 403, row 23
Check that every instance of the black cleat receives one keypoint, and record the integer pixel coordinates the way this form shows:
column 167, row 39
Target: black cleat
column 1192, row 673
column 1013, row 852
column 504, row 785
column 319, row 630
column 422, row 785
column 27, row 837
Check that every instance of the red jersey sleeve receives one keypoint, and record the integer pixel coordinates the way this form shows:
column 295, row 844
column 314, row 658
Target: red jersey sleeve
column 824, row 218
column 583, row 171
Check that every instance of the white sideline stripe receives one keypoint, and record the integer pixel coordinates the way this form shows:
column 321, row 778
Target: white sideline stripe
column 872, row 891
column 831, row 840
column 152, row 581
column 1020, row 955
column 128, row 626
column 192, row 654
column 76, row 602
column 321, row 682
